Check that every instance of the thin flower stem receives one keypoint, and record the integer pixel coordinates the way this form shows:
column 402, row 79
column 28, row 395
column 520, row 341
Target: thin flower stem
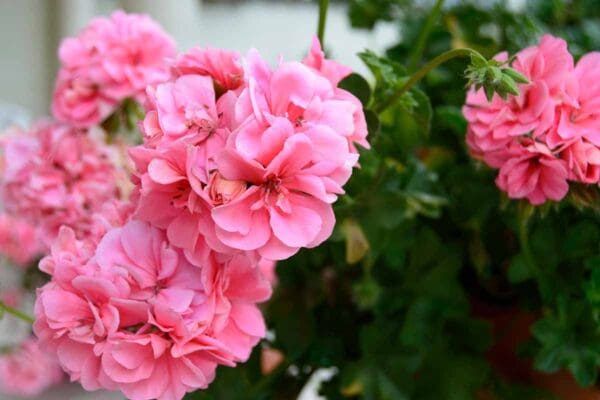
column 323, row 6
column 16, row 313
column 420, row 74
column 424, row 35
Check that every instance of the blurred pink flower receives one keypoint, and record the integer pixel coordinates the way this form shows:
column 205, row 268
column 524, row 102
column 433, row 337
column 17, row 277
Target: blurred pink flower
column 28, row 370
column 140, row 318
column 580, row 118
column 111, row 60
column 583, row 161
column 19, row 240
column 57, row 175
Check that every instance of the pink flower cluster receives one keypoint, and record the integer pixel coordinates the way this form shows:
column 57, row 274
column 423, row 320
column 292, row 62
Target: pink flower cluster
column 247, row 159
column 53, row 175
column 550, row 133
column 19, row 240
column 111, row 60
column 240, row 166
column 28, row 370
column 134, row 314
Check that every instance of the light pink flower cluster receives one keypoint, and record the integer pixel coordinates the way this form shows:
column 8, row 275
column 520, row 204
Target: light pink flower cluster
column 56, row 175
column 111, row 60
column 247, row 159
column 19, row 240
column 28, row 370
column 134, row 314
column 240, row 166
column 550, row 133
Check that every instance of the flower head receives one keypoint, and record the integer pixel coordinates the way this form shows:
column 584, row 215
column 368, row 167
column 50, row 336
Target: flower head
column 28, row 370
column 249, row 167
column 56, row 175
column 139, row 317
column 111, row 60
column 548, row 132
column 19, row 240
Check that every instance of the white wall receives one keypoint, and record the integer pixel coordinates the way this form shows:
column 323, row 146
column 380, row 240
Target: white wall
column 30, row 31
column 24, row 55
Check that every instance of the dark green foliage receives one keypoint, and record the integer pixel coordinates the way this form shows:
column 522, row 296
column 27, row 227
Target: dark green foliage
column 432, row 238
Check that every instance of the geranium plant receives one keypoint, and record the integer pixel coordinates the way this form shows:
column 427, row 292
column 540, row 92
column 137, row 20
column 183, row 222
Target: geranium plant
column 434, row 224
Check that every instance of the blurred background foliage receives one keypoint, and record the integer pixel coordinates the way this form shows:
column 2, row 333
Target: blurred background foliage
column 435, row 286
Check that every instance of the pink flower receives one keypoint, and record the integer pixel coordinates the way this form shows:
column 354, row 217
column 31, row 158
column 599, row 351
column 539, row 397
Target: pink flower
column 287, row 206
column 549, row 66
column 583, row 161
column 330, row 69
column 185, row 110
column 580, row 118
column 532, row 172
column 28, row 370
column 140, row 318
column 19, row 240
column 223, row 66
column 111, row 60
column 545, row 136
column 267, row 268
column 304, row 96
column 57, row 175
column 248, row 169
column 549, row 62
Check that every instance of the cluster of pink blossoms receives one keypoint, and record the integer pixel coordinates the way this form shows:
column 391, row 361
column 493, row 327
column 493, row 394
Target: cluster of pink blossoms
column 28, row 370
column 54, row 175
column 133, row 314
column 550, row 133
column 247, row 159
column 111, row 60
column 19, row 240
column 240, row 166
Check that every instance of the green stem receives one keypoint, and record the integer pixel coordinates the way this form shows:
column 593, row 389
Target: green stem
column 323, row 6
column 16, row 313
column 424, row 35
column 420, row 74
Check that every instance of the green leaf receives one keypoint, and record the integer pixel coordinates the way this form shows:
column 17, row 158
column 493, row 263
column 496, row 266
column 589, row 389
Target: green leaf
column 373, row 124
column 389, row 77
column 519, row 270
column 366, row 293
column 384, row 70
column 516, row 76
column 358, row 86
column 422, row 112
column 451, row 117
column 585, row 370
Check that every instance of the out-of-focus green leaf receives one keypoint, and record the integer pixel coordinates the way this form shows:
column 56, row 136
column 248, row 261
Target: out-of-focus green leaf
column 358, row 86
